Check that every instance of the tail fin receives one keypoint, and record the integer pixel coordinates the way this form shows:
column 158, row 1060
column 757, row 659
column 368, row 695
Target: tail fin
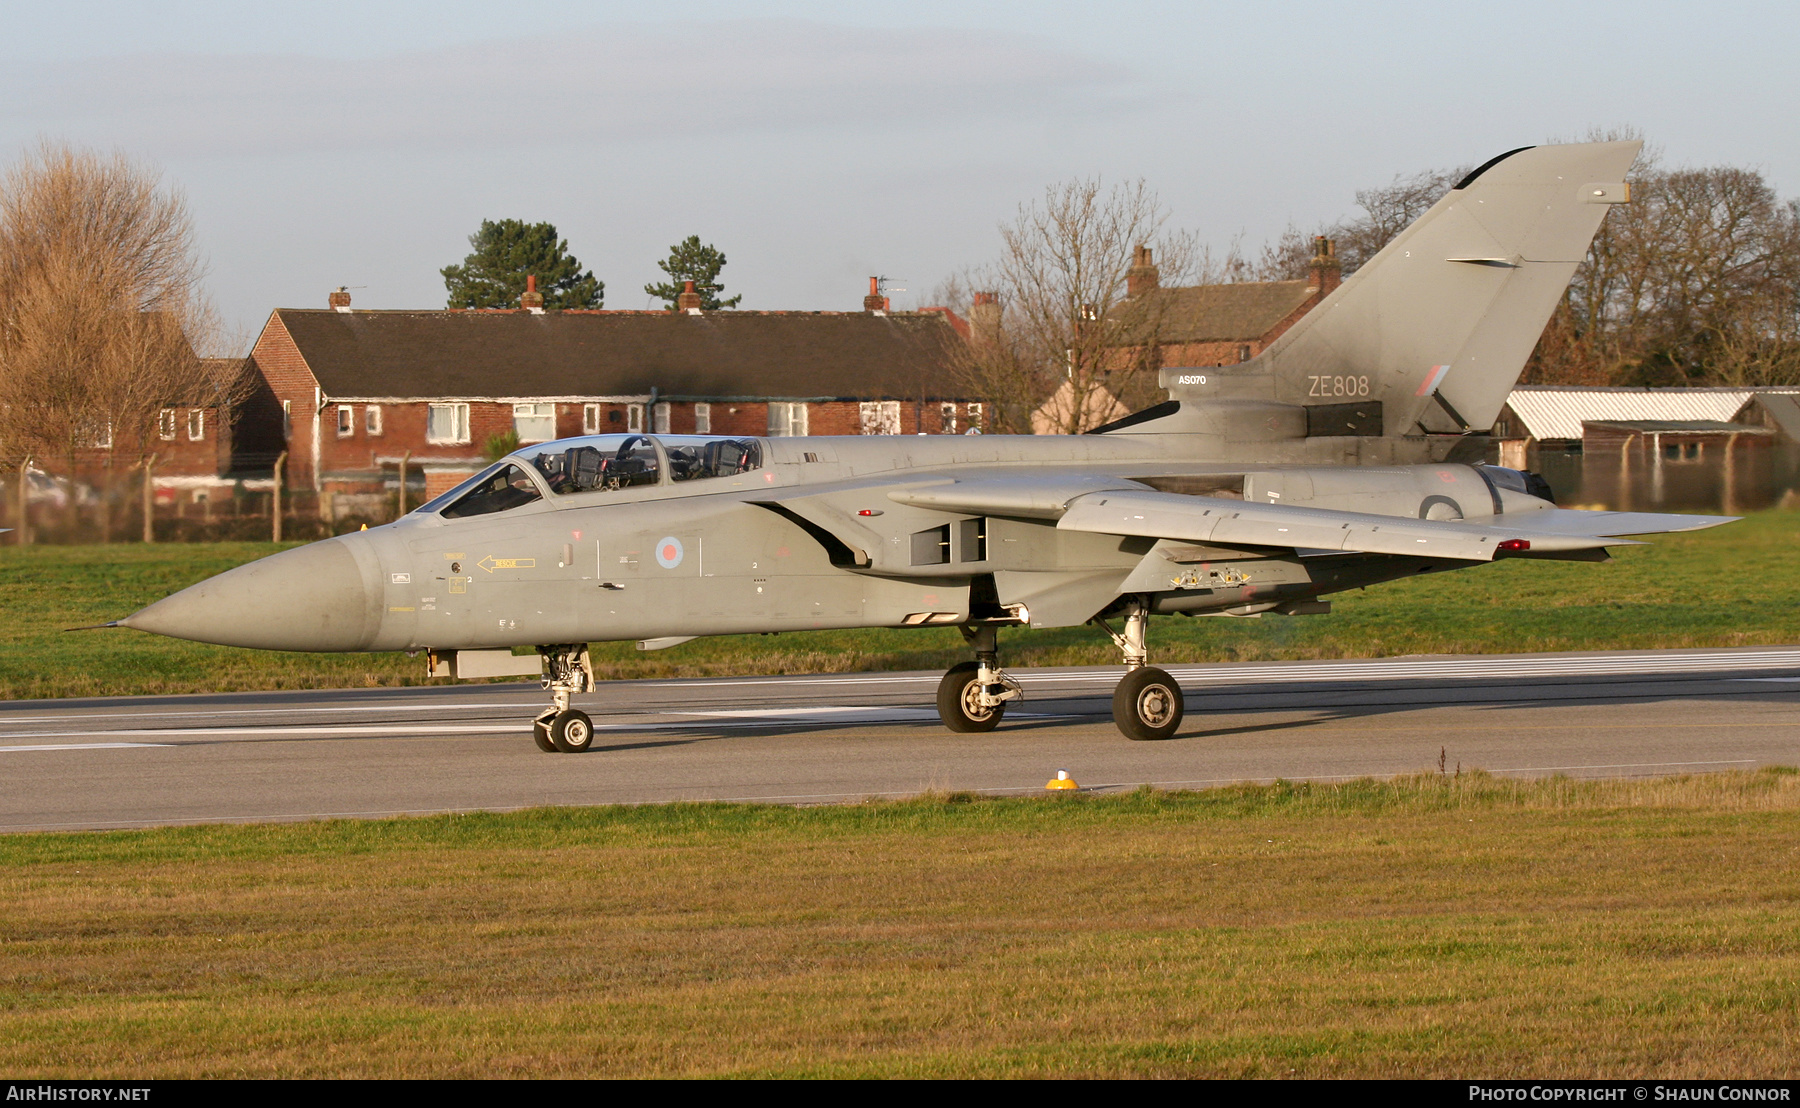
column 1438, row 325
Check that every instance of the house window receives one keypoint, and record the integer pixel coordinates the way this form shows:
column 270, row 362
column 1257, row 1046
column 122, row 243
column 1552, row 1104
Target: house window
column 372, row 420
column 447, row 423
column 1243, row 352
column 196, row 424
column 881, row 417
column 634, row 417
column 662, row 418
column 165, row 422
column 974, row 419
column 702, row 419
column 535, row 422
column 590, row 419
column 346, row 421
column 287, row 421
column 102, row 439
column 787, row 420
column 947, row 419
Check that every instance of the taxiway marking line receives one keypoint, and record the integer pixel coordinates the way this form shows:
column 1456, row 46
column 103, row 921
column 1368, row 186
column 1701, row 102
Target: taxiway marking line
column 750, row 718
column 80, row 746
column 265, row 711
column 1446, row 670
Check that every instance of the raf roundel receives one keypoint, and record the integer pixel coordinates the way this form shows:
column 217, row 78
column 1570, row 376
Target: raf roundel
column 669, row 552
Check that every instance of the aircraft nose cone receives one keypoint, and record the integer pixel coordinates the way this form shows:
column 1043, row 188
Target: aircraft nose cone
column 312, row 598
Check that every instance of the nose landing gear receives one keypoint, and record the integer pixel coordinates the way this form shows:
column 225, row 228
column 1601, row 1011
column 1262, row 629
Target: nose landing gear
column 1147, row 704
column 559, row 728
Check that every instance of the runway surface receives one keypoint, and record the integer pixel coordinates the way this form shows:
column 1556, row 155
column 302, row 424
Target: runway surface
column 126, row 762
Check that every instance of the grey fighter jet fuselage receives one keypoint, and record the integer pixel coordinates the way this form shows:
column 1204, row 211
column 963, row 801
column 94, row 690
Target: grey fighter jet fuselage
column 1340, row 457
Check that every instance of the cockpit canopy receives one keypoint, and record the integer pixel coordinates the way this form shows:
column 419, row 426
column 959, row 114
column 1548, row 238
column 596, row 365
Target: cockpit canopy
column 625, row 461
column 596, row 463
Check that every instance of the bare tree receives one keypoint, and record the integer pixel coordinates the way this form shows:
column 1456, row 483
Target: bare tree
column 1696, row 281
column 101, row 312
column 1051, row 316
column 1387, row 211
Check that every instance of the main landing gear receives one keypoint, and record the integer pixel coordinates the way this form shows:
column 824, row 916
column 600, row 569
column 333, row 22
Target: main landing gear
column 560, row 729
column 1147, row 703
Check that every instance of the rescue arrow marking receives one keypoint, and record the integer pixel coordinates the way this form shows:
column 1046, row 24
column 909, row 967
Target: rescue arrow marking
column 491, row 563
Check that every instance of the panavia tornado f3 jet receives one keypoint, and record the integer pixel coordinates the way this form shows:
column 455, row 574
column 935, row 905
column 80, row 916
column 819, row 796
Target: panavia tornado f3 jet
column 1337, row 458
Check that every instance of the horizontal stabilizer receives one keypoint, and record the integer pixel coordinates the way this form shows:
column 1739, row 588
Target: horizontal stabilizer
column 1573, row 521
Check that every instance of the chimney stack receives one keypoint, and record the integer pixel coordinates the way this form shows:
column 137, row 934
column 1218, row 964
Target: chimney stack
column 1327, row 274
column 1142, row 277
column 532, row 300
column 689, row 300
column 984, row 317
column 340, row 299
column 875, row 302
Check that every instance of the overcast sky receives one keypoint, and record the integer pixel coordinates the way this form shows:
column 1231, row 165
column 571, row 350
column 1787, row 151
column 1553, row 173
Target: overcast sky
column 327, row 144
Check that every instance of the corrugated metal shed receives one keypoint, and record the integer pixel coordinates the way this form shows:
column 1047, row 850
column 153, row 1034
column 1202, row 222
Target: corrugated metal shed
column 1553, row 412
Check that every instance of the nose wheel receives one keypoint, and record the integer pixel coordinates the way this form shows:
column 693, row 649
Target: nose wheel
column 561, row 729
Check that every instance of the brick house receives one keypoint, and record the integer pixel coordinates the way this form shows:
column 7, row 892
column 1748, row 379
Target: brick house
column 192, row 443
column 352, row 396
column 1209, row 325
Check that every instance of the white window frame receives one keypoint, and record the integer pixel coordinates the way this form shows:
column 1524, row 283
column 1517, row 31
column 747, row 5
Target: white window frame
column 346, row 421
column 974, row 411
column 787, row 420
column 590, row 419
column 702, row 419
column 660, row 417
column 947, row 418
column 196, row 424
column 634, row 418
column 880, row 417
column 528, row 420
column 372, row 419
column 287, row 420
column 165, row 424
column 458, row 417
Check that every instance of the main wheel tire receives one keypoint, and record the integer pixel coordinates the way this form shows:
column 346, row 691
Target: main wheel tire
column 1147, row 705
column 540, row 733
column 572, row 732
column 956, row 701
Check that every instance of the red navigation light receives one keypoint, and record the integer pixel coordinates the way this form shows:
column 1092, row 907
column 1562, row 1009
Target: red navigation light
column 869, row 512
column 1513, row 546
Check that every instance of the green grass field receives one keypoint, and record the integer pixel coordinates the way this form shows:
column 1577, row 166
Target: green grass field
column 1425, row 927
column 1734, row 585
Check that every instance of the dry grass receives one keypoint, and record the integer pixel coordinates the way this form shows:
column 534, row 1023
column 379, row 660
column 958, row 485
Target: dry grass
column 1423, row 927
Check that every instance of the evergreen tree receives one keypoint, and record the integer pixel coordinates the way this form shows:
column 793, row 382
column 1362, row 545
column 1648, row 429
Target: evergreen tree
column 690, row 261
column 506, row 252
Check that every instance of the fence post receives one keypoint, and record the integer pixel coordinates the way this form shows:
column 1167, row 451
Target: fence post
column 276, row 504
column 25, row 501
column 149, row 499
